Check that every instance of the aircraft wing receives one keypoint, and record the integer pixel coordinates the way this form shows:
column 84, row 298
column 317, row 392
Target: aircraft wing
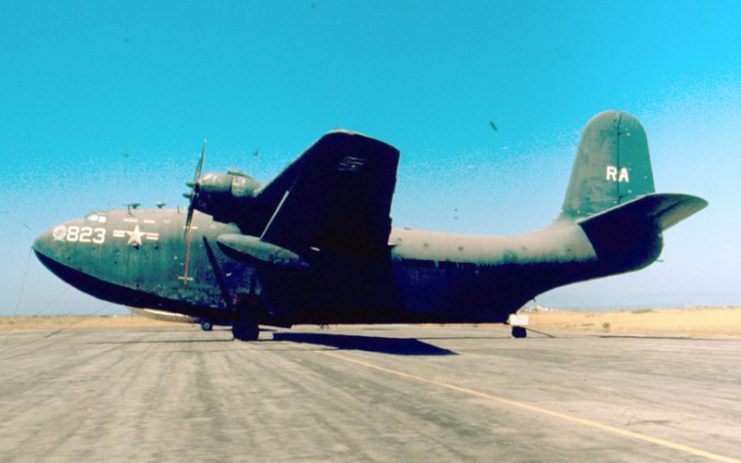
column 335, row 197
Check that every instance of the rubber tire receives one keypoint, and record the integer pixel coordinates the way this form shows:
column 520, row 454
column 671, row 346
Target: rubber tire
column 246, row 331
column 519, row 332
column 207, row 326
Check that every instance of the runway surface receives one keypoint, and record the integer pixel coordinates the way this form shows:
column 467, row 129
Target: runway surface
column 390, row 393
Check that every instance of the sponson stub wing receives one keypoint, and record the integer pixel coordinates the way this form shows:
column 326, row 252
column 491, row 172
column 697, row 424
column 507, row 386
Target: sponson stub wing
column 335, row 198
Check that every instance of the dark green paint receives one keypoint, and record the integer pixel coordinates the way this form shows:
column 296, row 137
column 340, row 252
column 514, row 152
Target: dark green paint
column 315, row 245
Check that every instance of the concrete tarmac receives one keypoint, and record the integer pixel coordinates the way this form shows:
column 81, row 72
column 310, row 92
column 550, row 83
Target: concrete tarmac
column 387, row 393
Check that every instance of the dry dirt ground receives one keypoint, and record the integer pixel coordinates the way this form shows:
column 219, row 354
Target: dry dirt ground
column 691, row 323
column 79, row 322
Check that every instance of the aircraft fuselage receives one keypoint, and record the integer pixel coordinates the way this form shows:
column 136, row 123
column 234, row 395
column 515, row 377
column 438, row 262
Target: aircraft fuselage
column 138, row 258
column 315, row 244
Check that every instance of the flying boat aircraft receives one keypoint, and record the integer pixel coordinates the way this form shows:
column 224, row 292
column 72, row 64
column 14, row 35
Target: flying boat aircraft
column 316, row 246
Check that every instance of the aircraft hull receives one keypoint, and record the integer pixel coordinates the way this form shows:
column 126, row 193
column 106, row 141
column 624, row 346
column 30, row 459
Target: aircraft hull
column 426, row 277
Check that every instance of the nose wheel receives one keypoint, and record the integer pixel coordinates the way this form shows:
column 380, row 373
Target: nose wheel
column 519, row 332
column 519, row 324
column 206, row 326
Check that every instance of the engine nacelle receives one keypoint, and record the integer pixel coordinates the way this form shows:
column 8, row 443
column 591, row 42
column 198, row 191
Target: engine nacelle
column 225, row 196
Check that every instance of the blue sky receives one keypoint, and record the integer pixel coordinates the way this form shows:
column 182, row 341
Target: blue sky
column 106, row 103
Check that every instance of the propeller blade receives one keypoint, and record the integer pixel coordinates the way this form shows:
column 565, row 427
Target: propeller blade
column 188, row 219
column 194, row 188
column 194, row 191
column 200, row 162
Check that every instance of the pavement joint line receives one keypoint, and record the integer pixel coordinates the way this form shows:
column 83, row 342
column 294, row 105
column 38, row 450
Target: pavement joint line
column 543, row 411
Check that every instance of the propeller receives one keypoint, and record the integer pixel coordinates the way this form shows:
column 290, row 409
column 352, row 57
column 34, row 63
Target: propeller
column 195, row 187
column 192, row 195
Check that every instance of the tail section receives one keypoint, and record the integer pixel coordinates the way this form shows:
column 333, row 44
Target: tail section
column 612, row 166
column 611, row 194
column 629, row 236
column 663, row 209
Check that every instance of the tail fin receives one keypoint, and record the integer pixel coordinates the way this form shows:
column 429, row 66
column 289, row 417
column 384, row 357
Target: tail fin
column 611, row 194
column 612, row 166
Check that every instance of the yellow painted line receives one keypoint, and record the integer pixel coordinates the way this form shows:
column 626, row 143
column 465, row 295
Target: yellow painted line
column 543, row 411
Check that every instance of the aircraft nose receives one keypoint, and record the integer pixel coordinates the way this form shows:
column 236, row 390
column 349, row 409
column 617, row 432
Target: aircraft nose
column 44, row 245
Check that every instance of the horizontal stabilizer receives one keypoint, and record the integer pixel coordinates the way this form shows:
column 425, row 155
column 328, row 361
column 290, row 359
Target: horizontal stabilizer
column 663, row 209
column 629, row 236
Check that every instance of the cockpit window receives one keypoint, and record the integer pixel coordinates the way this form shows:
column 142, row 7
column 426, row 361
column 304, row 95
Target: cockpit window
column 97, row 217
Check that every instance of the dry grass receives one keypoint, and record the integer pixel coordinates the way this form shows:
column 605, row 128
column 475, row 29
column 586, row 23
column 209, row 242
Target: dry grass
column 79, row 322
column 694, row 323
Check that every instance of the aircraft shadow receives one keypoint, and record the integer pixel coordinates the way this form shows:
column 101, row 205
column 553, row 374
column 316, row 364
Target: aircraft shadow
column 395, row 346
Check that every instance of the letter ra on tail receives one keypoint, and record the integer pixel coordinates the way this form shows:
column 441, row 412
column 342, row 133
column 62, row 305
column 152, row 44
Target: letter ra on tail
column 613, row 174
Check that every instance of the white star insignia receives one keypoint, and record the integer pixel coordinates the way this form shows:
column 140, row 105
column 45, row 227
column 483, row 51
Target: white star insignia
column 135, row 237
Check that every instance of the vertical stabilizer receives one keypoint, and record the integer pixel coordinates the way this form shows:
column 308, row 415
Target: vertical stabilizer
column 612, row 165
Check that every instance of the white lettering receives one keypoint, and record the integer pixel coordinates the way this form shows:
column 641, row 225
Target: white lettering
column 75, row 234
column 611, row 175
column 85, row 233
column 99, row 237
